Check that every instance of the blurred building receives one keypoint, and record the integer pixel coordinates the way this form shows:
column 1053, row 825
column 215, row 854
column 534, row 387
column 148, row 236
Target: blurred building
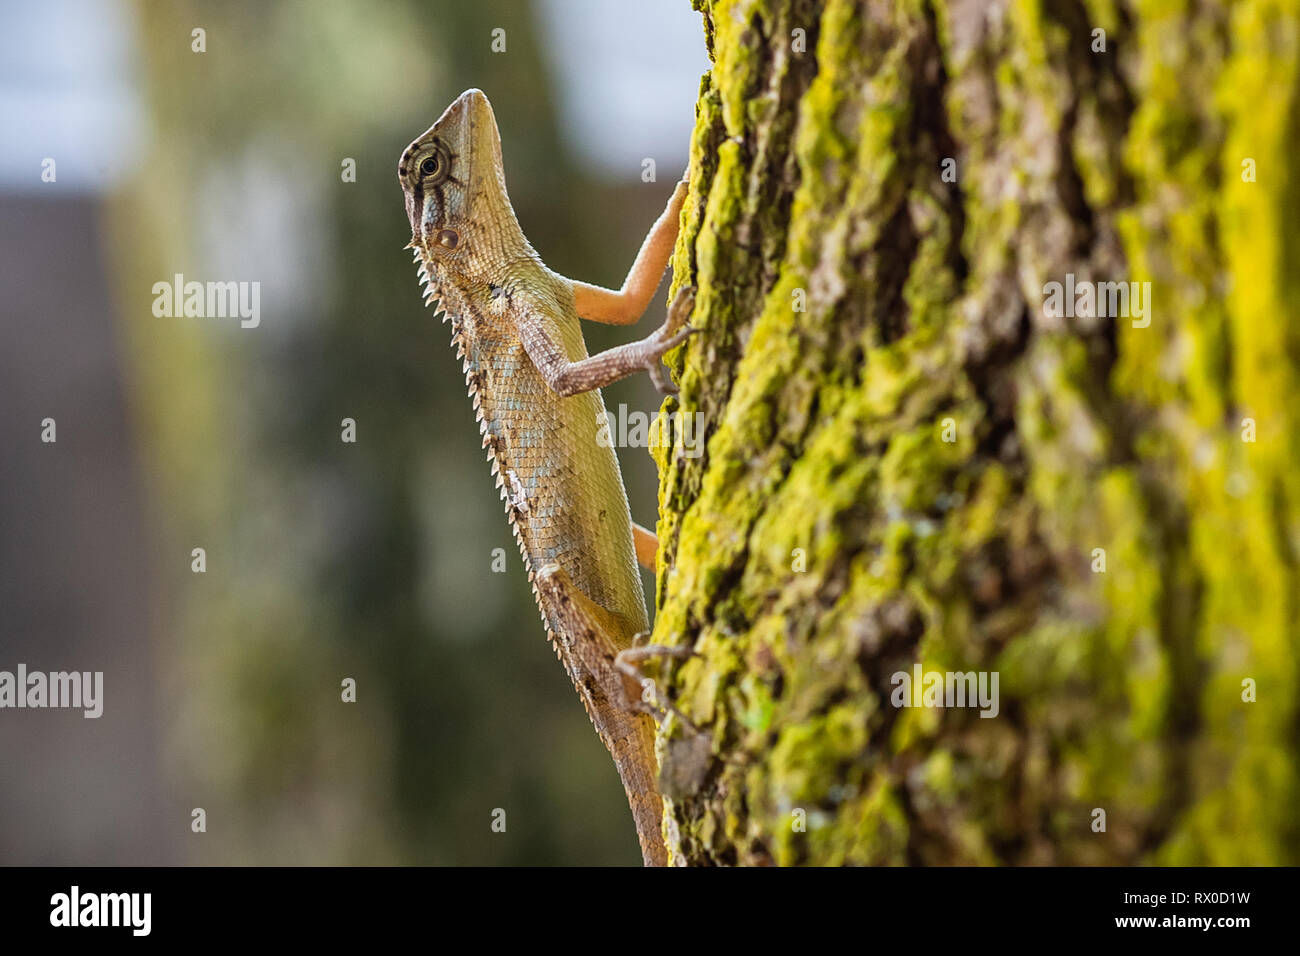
column 75, row 580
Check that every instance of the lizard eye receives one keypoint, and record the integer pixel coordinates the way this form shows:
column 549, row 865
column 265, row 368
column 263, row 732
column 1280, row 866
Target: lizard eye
column 449, row 238
column 436, row 166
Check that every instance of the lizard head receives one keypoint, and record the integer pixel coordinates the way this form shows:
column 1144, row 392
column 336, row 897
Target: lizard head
column 455, row 188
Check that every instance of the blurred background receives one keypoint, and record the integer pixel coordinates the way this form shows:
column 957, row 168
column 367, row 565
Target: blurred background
column 325, row 560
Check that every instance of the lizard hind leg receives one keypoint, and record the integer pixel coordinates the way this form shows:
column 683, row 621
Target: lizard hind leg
column 646, row 543
column 628, row 661
column 588, row 639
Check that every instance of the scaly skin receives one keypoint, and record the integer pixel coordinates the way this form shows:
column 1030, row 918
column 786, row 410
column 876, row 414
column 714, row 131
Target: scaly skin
column 515, row 325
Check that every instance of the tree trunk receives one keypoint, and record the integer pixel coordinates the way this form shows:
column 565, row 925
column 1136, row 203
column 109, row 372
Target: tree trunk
column 915, row 457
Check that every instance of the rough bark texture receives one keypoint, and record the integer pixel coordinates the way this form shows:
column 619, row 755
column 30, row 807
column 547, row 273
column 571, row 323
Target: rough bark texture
column 817, row 175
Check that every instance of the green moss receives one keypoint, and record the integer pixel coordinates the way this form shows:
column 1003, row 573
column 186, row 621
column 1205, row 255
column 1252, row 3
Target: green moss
column 831, row 535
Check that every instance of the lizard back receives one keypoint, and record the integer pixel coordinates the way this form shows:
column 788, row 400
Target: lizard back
column 562, row 489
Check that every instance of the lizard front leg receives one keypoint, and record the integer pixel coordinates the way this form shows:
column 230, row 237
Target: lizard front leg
column 590, row 639
column 628, row 304
column 567, row 378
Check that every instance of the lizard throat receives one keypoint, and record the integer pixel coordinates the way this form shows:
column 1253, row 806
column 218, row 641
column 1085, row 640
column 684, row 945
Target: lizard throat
column 435, row 212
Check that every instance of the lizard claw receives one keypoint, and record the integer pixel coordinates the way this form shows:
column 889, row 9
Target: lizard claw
column 678, row 337
column 628, row 663
column 662, row 383
column 679, row 310
column 656, row 369
column 670, row 335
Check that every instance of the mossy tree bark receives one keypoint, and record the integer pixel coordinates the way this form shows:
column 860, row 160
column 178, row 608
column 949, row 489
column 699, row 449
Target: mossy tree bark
column 1114, row 528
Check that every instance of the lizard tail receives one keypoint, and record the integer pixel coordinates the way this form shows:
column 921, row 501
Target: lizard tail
column 631, row 742
column 587, row 638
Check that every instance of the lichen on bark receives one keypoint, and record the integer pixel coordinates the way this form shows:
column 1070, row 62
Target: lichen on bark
column 855, row 308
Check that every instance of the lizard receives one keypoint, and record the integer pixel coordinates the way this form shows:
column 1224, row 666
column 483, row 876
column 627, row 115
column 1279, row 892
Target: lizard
column 535, row 390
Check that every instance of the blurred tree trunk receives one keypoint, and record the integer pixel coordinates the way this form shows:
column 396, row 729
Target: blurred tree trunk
column 1101, row 531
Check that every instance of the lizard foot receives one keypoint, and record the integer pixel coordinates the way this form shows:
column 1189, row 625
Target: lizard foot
column 628, row 662
column 671, row 334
